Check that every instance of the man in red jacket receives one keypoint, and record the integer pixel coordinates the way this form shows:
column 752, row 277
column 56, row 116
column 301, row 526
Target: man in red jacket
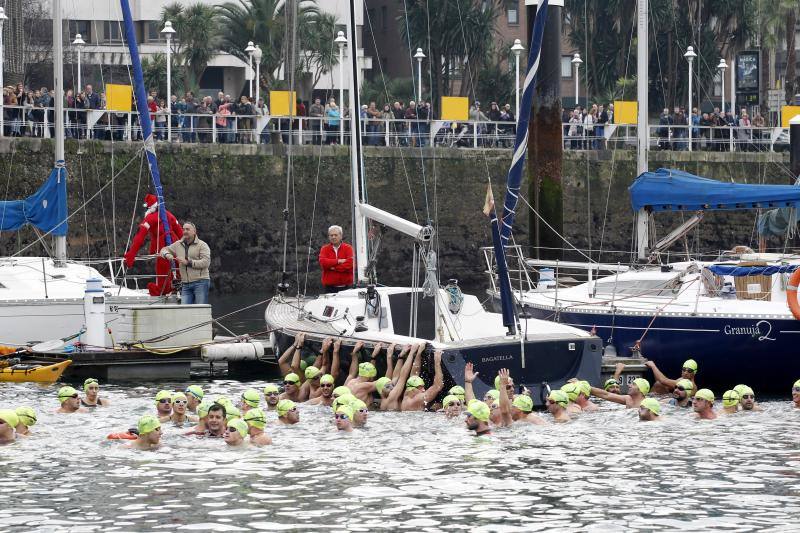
column 152, row 225
column 336, row 261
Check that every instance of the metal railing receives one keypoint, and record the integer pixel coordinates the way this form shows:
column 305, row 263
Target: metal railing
column 26, row 121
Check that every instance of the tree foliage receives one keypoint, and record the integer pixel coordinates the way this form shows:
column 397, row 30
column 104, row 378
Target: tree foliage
column 196, row 39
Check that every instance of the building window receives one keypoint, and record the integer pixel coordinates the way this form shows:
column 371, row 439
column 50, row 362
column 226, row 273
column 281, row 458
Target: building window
column 566, row 66
column 512, row 12
column 80, row 26
column 113, row 31
column 152, row 31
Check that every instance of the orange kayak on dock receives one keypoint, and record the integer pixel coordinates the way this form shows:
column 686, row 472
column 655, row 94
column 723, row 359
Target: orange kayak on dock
column 33, row 373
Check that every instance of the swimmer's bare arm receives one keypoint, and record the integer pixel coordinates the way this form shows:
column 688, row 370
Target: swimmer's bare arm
column 406, row 351
column 354, row 362
column 469, row 377
column 505, row 402
column 390, row 360
column 283, row 361
column 393, row 400
column 610, row 396
column 319, row 362
column 296, row 358
column 335, row 359
column 438, row 378
column 418, row 360
column 618, row 369
column 660, row 377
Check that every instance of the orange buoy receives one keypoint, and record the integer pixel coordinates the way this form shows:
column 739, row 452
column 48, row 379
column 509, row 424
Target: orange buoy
column 121, row 436
column 791, row 294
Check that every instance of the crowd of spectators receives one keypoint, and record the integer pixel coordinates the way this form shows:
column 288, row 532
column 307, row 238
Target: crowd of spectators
column 713, row 131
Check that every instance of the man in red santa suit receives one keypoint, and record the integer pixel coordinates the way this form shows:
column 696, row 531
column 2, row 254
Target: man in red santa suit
column 152, row 225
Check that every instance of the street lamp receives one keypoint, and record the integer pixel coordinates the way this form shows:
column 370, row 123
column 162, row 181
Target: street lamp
column 250, row 49
column 690, row 55
column 257, row 55
column 722, row 67
column 341, row 42
column 3, row 18
column 577, row 61
column 78, row 44
column 168, row 32
column 419, row 56
column 517, row 49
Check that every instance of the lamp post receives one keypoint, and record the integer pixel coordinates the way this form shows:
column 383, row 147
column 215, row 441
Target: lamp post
column 419, row 56
column 78, row 43
column 722, row 67
column 168, row 32
column 517, row 49
column 3, row 18
column 690, row 55
column 257, row 55
column 250, row 50
column 341, row 42
column 577, row 61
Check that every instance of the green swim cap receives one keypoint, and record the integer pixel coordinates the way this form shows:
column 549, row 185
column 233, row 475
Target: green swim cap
column 89, row 381
column 232, row 412
column 357, row 404
column 344, row 399
column 224, row 401
column 303, row 365
column 458, row 390
column 559, row 396
column 271, row 388
column 255, row 417
column 380, row 383
column 796, row 384
column 494, row 394
column 687, row 385
column 611, row 382
column 651, row 404
column 284, row 406
column 572, row 390
column 10, row 417
column 367, row 370
column 345, row 410
column 730, row 398
column 179, row 396
column 340, row 390
column 705, row 394
column 202, row 409
column 312, row 372
column 291, row 378
column 327, row 379
column 195, row 391
column 690, row 364
column 585, row 388
column 523, row 402
column 148, row 424
column 479, row 410
column 164, row 395
column 643, row 385
column 449, row 399
column 251, row 397
column 26, row 415
column 65, row 393
column 414, row 381
column 239, row 425
column 743, row 389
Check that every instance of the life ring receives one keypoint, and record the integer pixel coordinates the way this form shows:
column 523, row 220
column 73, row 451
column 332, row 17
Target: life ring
column 791, row 294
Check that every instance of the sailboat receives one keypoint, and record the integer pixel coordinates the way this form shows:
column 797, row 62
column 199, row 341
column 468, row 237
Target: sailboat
column 540, row 354
column 45, row 298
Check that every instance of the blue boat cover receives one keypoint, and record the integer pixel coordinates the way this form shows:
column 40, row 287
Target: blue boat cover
column 764, row 270
column 675, row 190
column 46, row 209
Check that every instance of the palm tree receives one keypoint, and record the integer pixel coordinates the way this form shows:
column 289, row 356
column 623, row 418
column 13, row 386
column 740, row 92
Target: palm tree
column 196, row 38
column 777, row 25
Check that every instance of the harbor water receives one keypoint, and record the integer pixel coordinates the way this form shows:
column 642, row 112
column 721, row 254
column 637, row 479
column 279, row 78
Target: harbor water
column 604, row 471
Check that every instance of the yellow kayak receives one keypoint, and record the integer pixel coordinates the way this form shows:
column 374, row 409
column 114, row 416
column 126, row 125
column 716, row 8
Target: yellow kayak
column 34, row 374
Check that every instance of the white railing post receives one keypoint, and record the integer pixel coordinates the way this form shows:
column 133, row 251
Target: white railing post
column 214, row 128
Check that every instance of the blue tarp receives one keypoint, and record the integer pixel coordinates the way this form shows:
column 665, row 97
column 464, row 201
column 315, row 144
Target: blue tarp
column 46, row 208
column 766, row 270
column 675, row 190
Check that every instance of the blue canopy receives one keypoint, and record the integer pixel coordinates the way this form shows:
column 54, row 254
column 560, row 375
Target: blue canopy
column 760, row 270
column 46, row 208
column 675, row 190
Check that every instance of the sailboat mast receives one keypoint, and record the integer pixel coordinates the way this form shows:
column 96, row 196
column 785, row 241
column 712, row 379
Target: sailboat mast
column 356, row 156
column 642, row 75
column 58, row 88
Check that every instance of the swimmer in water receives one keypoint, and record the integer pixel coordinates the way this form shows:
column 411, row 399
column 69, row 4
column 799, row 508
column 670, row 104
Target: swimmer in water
column 291, row 387
column 649, row 410
column 91, row 389
column 250, row 400
column 573, row 390
column 179, row 417
column 361, row 379
column 612, row 385
column 8, row 423
column 664, row 384
column 747, row 398
column 703, row 404
column 256, row 422
column 360, row 412
column 636, row 393
column 289, row 361
column 391, row 392
column 195, row 396
column 796, row 394
column 149, row 437
column 288, row 413
column 326, row 391
column 477, row 418
column 730, row 402
column 457, row 391
column 451, row 405
column 518, row 409
column 344, row 418
column 272, row 395
column 163, row 405
column 202, row 416
column 231, row 413
column 682, row 394
column 416, row 396
column 583, row 401
column 310, row 387
column 70, row 403
column 557, row 402
column 215, row 421
column 236, row 433
column 27, row 418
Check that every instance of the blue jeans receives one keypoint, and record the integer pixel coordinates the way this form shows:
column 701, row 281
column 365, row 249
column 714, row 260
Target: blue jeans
column 195, row 292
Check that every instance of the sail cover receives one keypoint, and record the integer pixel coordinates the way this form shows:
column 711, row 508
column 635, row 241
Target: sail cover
column 675, row 190
column 46, row 209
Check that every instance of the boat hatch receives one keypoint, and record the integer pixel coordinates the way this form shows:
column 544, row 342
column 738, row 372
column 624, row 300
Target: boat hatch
column 639, row 287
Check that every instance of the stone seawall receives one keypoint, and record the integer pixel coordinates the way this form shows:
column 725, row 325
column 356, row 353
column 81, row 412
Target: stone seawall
column 236, row 195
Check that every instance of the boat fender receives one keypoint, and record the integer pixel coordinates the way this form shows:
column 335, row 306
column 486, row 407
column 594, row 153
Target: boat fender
column 791, row 294
column 238, row 351
column 131, row 434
